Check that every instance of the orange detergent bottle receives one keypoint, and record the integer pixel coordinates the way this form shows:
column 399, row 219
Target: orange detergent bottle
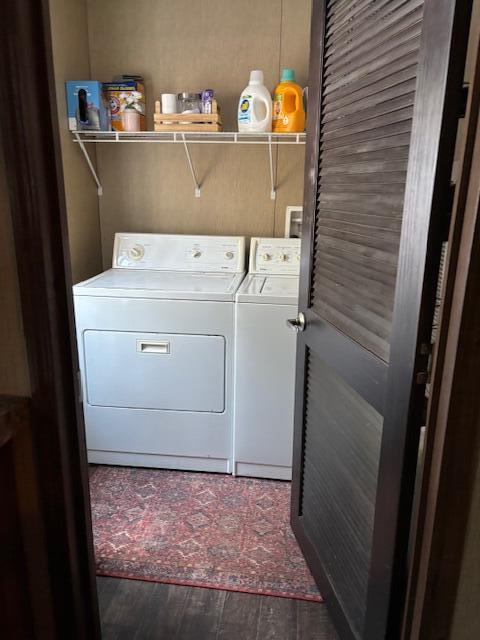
column 288, row 111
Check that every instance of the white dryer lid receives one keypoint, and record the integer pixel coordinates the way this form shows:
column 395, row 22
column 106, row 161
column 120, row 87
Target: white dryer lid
column 269, row 289
column 173, row 285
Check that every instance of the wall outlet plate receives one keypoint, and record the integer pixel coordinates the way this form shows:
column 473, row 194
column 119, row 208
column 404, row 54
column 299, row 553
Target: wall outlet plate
column 293, row 222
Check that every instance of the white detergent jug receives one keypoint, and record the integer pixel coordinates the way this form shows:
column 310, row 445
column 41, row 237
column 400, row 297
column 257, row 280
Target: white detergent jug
column 255, row 106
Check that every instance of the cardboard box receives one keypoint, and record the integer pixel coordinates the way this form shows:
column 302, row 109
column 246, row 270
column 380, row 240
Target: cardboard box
column 127, row 94
column 87, row 106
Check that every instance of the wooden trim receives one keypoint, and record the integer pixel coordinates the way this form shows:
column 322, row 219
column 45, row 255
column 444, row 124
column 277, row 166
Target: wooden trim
column 28, row 122
column 453, row 424
column 27, row 607
column 17, row 619
column 13, row 412
column 439, row 82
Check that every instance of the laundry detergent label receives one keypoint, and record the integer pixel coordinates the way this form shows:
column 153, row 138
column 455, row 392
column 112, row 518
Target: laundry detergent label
column 278, row 114
column 245, row 109
column 278, row 106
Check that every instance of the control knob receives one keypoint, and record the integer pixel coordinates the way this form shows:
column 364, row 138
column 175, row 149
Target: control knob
column 229, row 255
column 136, row 252
column 196, row 253
column 282, row 257
column 266, row 257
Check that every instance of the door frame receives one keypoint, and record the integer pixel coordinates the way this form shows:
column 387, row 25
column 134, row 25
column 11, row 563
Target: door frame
column 35, row 181
column 453, row 421
column 30, row 141
column 428, row 192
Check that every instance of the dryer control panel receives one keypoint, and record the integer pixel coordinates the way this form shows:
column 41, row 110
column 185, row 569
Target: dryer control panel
column 163, row 252
column 275, row 256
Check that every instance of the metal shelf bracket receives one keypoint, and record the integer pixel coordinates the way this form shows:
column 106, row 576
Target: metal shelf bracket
column 198, row 188
column 273, row 186
column 90, row 164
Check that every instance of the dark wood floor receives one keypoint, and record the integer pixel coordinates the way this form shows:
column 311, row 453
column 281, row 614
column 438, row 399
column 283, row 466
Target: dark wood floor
column 135, row 610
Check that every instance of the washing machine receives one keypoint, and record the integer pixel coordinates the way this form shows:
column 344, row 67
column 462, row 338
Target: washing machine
column 155, row 338
column 265, row 351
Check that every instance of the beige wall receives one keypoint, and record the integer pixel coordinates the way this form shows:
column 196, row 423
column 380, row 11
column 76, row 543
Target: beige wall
column 71, row 62
column 13, row 362
column 185, row 45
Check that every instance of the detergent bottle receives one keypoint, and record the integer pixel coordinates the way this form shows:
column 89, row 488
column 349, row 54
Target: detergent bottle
column 288, row 111
column 255, row 106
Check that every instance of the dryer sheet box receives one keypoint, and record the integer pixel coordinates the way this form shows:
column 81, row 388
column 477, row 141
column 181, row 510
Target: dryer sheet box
column 119, row 94
column 87, row 106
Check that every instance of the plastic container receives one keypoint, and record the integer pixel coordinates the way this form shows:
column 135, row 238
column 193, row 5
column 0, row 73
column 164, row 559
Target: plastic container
column 255, row 106
column 288, row 110
column 189, row 102
column 207, row 100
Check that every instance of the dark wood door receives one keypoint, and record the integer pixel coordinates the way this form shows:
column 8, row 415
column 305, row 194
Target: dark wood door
column 384, row 101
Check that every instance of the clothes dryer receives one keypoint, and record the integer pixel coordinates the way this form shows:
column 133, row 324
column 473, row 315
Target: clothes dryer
column 155, row 339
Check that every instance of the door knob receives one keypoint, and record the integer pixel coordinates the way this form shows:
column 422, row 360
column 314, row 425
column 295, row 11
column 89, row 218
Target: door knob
column 297, row 324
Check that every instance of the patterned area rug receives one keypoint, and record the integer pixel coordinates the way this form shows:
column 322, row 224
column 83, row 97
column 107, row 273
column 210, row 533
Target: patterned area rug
column 198, row 529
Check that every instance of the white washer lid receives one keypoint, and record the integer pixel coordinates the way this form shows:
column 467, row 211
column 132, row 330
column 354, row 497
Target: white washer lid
column 260, row 289
column 173, row 285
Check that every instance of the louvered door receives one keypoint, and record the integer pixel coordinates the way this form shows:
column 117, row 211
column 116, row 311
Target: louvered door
column 385, row 76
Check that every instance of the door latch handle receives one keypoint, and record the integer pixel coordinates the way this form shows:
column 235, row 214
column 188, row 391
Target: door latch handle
column 155, row 346
column 297, row 324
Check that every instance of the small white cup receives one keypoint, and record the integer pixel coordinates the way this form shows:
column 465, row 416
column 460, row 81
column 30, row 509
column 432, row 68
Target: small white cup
column 169, row 102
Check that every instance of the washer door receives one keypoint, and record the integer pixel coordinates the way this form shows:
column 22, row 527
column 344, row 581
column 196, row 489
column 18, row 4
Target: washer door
column 155, row 371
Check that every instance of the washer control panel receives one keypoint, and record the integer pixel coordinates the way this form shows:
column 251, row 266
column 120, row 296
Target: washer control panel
column 179, row 252
column 275, row 255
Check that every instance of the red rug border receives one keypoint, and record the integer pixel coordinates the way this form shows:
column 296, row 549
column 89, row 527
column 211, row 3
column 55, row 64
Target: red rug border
column 192, row 583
